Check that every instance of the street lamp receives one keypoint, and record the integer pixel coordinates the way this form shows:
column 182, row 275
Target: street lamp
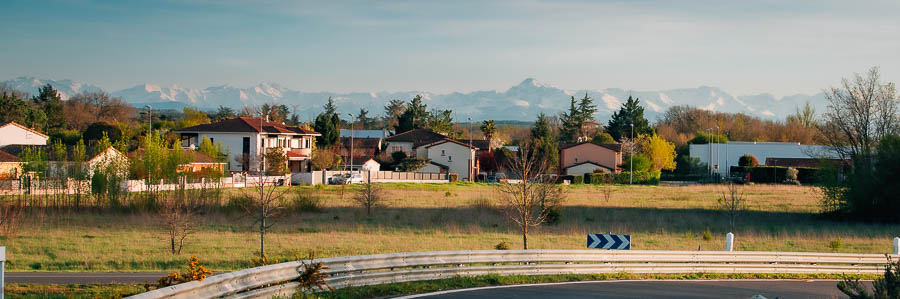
column 351, row 142
column 149, row 135
column 631, row 157
column 471, row 157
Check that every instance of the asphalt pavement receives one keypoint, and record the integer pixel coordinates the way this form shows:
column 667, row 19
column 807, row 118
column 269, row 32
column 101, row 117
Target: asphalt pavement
column 654, row 289
column 83, row 277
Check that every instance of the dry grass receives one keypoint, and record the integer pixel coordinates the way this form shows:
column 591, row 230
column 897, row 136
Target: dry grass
column 418, row 217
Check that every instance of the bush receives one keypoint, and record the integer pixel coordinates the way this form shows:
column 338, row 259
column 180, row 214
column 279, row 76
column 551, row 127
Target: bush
column 552, row 217
column 836, row 244
column 748, row 160
column 707, row 235
column 453, row 177
column 577, row 179
column 887, row 286
column 502, row 246
column 236, row 204
column 305, row 202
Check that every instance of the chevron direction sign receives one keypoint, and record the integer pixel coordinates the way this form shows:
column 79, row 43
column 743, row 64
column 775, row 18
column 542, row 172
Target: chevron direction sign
column 609, row 241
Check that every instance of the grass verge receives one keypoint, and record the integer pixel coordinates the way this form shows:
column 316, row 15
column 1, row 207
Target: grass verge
column 419, row 287
column 29, row 290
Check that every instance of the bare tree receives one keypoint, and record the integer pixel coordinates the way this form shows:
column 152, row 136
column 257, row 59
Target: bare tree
column 607, row 190
column 732, row 203
column 859, row 114
column 265, row 202
column 179, row 217
column 369, row 196
column 528, row 202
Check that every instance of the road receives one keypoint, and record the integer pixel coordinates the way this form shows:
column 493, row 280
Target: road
column 82, row 278
column 654, row 289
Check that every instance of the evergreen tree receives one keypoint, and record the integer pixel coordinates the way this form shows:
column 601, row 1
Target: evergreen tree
column 392, row 112
column 14, row 109
column 544, row 142
column 630, row 113
column 365, row 122
column 49, row 101
column 326, row 124
column 441, row 121
column 414, row 117
column 222, row 113
column 574, row 120
column 489, row 130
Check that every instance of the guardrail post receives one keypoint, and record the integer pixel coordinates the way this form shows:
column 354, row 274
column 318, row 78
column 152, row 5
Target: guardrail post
column 2, row 268
column 896, row 246
column 729, row 242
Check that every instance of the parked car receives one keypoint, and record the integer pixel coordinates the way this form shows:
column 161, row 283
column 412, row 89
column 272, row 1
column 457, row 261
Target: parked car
column 350, row 178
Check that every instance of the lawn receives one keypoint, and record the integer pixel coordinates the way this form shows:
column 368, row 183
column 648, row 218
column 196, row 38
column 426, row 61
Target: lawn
column 426, row 217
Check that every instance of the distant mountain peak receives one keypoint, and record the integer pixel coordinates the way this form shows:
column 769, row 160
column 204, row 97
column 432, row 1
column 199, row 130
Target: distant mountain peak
column 519, row 102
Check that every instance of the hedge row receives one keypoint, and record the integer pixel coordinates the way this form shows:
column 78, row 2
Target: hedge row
column 640, row 177
column 775, row 174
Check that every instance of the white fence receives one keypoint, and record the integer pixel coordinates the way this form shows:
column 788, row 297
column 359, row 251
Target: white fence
column 71, row 186
column 321, row 177
column 278, row 279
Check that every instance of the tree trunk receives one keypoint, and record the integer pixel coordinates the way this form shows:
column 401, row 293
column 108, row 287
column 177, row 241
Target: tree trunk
column 262, row 238
column 525, row 238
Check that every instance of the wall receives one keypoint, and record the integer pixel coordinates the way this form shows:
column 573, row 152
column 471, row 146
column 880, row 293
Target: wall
column 455, row 156
column 589, row 152
column 729, row 153
column 583, row 168
column 405, row 147
column 234, row 143
column 12, row 134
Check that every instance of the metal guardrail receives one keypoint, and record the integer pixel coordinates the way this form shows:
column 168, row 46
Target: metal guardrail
column 278, row 279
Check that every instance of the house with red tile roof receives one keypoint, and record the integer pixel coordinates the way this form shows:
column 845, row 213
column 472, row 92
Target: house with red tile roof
column 246, row 138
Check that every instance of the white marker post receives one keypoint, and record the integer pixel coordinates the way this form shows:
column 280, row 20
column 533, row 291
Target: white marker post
column 896, row 246
column 729, row 242
column 2, row 267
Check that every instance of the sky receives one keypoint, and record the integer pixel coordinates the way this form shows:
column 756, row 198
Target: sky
column 743, row 47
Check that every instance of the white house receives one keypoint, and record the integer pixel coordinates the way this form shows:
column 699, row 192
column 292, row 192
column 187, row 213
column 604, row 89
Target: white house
column 727, row 154
column 246, row 137
column 444, row 154
column 13, row 133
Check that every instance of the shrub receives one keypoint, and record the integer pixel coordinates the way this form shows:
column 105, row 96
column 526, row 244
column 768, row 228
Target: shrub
column 453, row 177
column 887, row 286
column 707, row 235
column 577, row 179
column 552, row 216
column 502, row 246
column 195, row 272
column 836, row 244
column 236, row 204
column 748, row 160
column 305, row 202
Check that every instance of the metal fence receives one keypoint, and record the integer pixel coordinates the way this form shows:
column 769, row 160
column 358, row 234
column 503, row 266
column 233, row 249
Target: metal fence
column 279, row 279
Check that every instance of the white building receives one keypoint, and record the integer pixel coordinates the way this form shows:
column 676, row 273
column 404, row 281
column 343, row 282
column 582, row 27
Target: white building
column 245, row 137
column 725, row 155
column 444, row 155
column 13, row 133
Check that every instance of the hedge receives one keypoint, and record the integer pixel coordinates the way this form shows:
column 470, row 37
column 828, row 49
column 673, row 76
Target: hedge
column 577, row 179
column 599, row 178
column 640, row 177
column 775, row 174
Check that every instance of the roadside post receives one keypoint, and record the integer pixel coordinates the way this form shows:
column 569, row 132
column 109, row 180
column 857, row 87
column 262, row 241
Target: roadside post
column 609, row 241
column 729, row 242
column 896, row 246
column 2, row 268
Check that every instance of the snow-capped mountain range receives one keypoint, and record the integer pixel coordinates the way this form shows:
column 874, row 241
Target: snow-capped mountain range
column 520, row 102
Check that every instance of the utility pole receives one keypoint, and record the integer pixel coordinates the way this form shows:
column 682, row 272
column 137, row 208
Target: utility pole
column 631, row 157
column 717, row 152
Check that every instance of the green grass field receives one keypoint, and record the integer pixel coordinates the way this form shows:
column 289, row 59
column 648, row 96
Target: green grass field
column 425, row 217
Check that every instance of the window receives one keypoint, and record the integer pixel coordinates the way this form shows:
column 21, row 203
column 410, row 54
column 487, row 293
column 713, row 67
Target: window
column 450, row 158
column 442, row 153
